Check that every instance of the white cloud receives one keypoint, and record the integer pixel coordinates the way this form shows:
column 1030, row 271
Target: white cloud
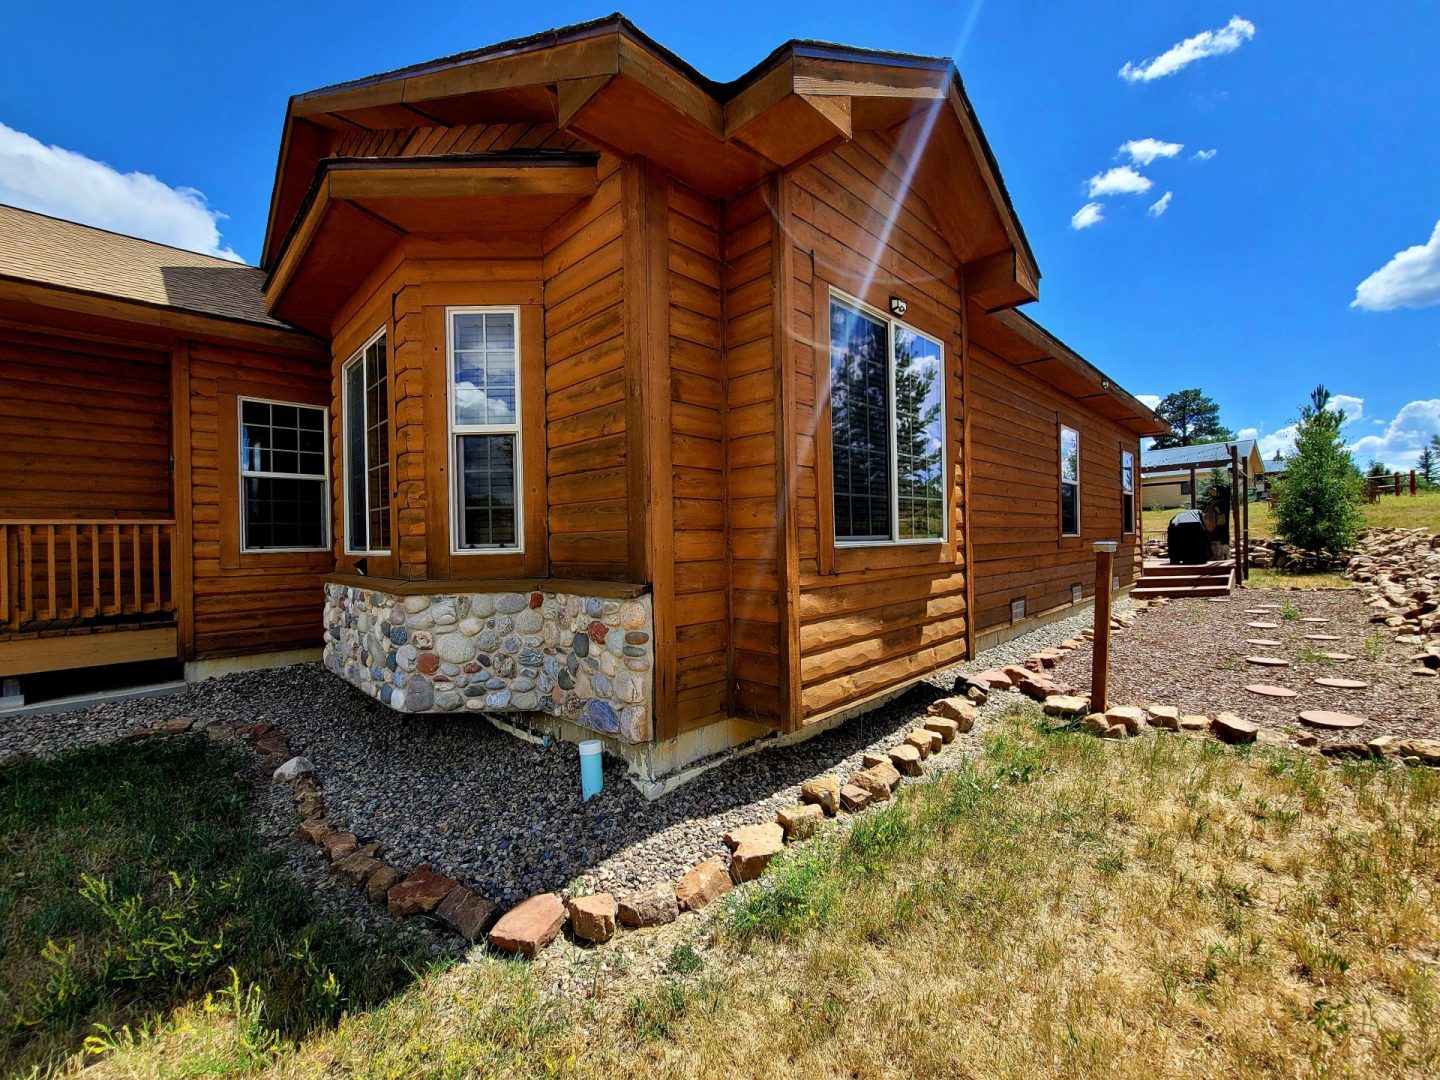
column 1354, row 407
column 1121, row 180
column 1092, row 213
column 1160, row 205
column 1144, row 151
column 1403, row 437
column 1204, row 44
column 1203, row 155
column 1151, row 401
column 1397, row 445
column 1409, row 280
column 64, row 184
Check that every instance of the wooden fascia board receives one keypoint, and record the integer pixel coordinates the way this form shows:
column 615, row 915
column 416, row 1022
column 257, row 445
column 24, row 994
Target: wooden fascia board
column 1142, row 420
column 978, row 150
column 180, row 322
column 293, row 254
column 660, row 78
column 760, row 96
column 999, row 280
column 391, row 181
column 828, row 76
column 572, row 95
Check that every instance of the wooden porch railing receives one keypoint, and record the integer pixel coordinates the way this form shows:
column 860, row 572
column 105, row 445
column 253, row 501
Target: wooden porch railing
column 68, row 570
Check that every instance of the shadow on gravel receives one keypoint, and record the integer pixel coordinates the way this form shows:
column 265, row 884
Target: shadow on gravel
column 504, row 815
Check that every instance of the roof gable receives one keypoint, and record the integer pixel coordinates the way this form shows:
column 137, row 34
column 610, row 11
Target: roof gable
column 610, row 85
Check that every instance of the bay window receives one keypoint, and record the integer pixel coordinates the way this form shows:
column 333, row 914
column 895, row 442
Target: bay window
column 1069, row 481
column 887, row 385
column 366, row 387
column 284, row 486
column 484, row 365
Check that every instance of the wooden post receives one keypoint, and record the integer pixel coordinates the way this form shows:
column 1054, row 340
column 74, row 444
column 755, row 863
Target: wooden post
column 1235, row 506
column 1397, row 483
column 1100, row 659
column 1192, row 487
column 1413, row 485
column 1245, row 529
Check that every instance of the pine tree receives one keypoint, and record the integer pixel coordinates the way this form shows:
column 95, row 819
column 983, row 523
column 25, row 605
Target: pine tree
column 1319, row 505
column 1193, row 418
column 1428, row 464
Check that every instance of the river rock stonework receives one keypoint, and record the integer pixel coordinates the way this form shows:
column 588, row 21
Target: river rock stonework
column 587, row 659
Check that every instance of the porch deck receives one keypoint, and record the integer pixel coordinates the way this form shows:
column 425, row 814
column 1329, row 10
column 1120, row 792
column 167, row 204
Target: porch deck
column 78, row 593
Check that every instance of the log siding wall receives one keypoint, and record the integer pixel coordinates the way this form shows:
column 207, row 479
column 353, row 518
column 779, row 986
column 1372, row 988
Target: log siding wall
column 871, row 618
column 1018, row 550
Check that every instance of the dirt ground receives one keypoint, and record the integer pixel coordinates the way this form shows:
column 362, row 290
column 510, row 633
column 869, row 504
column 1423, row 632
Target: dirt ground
column 1192, row 654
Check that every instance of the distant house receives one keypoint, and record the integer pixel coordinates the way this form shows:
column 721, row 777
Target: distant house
column 573, row 386
column 1178, row 470
column 1265, row 483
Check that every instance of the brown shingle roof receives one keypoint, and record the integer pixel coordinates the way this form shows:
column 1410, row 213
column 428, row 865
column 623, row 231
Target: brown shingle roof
column 48, row 251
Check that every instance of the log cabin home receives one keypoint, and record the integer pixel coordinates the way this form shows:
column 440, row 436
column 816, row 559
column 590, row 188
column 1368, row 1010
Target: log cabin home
column 575, row 388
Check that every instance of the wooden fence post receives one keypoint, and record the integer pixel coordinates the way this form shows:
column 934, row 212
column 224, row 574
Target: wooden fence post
column 1397, row 483
column 1100, row 658
column 1414, row 486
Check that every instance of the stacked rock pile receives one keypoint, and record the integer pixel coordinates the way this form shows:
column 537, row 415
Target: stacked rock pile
column 1399, row 572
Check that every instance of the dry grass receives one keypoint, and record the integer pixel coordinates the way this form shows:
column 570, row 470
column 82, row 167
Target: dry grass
column 1265, row 578
column 1163, row 907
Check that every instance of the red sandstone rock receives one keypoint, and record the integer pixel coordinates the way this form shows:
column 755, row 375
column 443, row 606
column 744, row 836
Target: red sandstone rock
column 420, row 893
column 703, row 884
column 527, row 928
column 592, row 918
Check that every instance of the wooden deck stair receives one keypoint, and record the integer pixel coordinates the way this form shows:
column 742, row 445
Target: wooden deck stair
column 1159, row 579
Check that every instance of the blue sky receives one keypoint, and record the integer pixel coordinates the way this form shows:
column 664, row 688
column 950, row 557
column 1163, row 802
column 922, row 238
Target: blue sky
column 1323, row 119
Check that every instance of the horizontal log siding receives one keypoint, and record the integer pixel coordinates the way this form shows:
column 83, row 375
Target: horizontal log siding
column 697, row 419
column 585, row 387
column 750, row 465
column 273, row 601
column 1015, row 471
column 84, row 427
column 885, row 615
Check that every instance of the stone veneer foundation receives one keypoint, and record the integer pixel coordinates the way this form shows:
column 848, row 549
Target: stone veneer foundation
column 585, row 659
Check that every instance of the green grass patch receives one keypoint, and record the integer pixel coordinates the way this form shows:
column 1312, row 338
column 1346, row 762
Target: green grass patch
column 130, row 882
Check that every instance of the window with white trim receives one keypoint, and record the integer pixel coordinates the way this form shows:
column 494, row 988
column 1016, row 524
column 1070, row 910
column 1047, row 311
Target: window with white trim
column 284, row 484
column 366, row 385
column 484, row 366
column 1127, row 491
column 887, row 416
column 1069, row 481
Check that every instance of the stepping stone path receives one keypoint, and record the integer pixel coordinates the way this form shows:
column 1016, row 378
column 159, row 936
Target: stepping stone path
column 1263, row 625
column 1270, row 691
column 1323, row 637
column 1257, row 611
column 1337, row 656
column 1342, row 684
column 1264, row 643
column 1267, row 661
column 1334, row 721
column 1314, row 619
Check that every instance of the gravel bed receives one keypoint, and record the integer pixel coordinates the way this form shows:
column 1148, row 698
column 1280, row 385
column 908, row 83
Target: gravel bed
column 1191, row 654
column 499, row 813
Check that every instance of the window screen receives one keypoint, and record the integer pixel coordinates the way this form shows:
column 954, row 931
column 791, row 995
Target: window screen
column 282, row 471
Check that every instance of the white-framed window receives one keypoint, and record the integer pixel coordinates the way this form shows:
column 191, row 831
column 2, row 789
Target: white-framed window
column 365, row 387
column 887, row 428
column 1069, row 481
column 284, row 476
column 1127, row 491
column 483, row 367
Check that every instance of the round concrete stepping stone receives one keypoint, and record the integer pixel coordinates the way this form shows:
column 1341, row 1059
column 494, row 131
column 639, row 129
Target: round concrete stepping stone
column 1337, row 656
column 1323, row 718
column 1264, row 642
column 1343, row 684
column 1323, row 637
column 1314, row 619
column 1263, row 625
column 1270, row 691
column 1267, row 661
